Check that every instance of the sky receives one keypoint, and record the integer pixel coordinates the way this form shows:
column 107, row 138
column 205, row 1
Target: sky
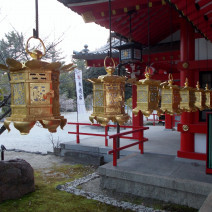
column 55, row 22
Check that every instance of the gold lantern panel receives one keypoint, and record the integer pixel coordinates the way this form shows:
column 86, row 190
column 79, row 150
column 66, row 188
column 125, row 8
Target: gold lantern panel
column 147, row 95
column 34, row 93
column 208, row 97
column 170, row 97
column 108, row 98
column 98, row 98
column 200, row 98
column 187, row 95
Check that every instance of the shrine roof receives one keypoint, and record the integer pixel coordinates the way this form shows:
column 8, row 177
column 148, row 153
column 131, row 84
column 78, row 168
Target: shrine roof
column 102, row 52
column 152, row 21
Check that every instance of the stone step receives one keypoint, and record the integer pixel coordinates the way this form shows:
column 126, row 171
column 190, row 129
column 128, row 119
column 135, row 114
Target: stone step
column 84, row 157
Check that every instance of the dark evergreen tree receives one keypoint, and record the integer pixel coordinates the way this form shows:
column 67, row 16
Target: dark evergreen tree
column 13, row 46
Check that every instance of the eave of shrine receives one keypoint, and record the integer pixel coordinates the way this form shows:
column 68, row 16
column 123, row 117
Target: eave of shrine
column 158, row 17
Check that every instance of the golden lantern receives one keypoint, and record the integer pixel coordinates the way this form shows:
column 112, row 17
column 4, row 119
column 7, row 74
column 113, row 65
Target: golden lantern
column 147, row 95
column 108, row 97
column 34, row 93
column 199, row 97
column 187, row 95
column 208, row 97
column 170, row 97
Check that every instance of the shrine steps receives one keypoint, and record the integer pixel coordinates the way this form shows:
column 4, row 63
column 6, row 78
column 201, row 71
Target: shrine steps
column 158, row 176
column 84, row 154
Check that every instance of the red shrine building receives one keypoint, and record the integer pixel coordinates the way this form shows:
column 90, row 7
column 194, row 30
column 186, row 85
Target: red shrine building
column 175, row 37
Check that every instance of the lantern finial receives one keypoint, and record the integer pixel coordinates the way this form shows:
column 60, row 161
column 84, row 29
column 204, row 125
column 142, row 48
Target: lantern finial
column 36, row 54
column 186, row 82
column 147, row 73
column 170, row 81
column 110, row 69
column 198, row 85
column 206, row 87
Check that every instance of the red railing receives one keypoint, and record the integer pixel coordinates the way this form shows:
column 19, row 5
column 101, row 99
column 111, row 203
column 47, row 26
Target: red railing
column 78, row 133
column 154, row 120
column 119, row 135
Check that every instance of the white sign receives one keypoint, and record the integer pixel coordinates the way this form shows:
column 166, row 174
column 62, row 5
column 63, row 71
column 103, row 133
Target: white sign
column 79, row 91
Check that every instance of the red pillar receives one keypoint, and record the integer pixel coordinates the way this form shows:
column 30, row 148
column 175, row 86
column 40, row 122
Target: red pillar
column 168, row 122
column 136, row 120
column 187, row 52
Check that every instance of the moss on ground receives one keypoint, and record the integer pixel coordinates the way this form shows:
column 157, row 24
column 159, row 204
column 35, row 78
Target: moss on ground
column 158, row 205
column 47, row 198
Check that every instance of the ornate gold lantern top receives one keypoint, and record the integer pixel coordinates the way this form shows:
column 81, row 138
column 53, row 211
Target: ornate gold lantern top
column 108, row 97
column 147, row 95
column 33, row 94
column 187, row 95
column 170, row 97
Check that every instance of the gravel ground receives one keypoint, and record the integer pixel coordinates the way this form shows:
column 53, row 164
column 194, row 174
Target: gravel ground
column 37, row 161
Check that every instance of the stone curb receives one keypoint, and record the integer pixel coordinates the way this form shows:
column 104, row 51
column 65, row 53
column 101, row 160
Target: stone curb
column 71, row 187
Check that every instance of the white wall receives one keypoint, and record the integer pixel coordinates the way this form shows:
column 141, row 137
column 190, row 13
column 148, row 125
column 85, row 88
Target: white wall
column 204, row 50
column 200, row 143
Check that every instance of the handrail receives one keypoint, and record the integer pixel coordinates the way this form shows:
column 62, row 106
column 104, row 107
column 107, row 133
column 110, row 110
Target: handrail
column 155, row 119
column 139, row 142
column 162, row 120
column 128, row 132
column 116, row 149
column 78, row 133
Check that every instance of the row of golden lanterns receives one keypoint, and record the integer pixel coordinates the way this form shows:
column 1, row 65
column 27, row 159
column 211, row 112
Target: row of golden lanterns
column 35, row 92
column 173, row 99
column 35, row 95
column 109, row 92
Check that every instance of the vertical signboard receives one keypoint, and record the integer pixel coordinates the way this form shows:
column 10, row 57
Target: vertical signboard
column 209, row 144
column 79, row 90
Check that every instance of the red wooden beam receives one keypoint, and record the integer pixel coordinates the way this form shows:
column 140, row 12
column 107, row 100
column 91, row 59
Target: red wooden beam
column 201, row 3
column 142, row 33
column 195, row 16
column 197, row 64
